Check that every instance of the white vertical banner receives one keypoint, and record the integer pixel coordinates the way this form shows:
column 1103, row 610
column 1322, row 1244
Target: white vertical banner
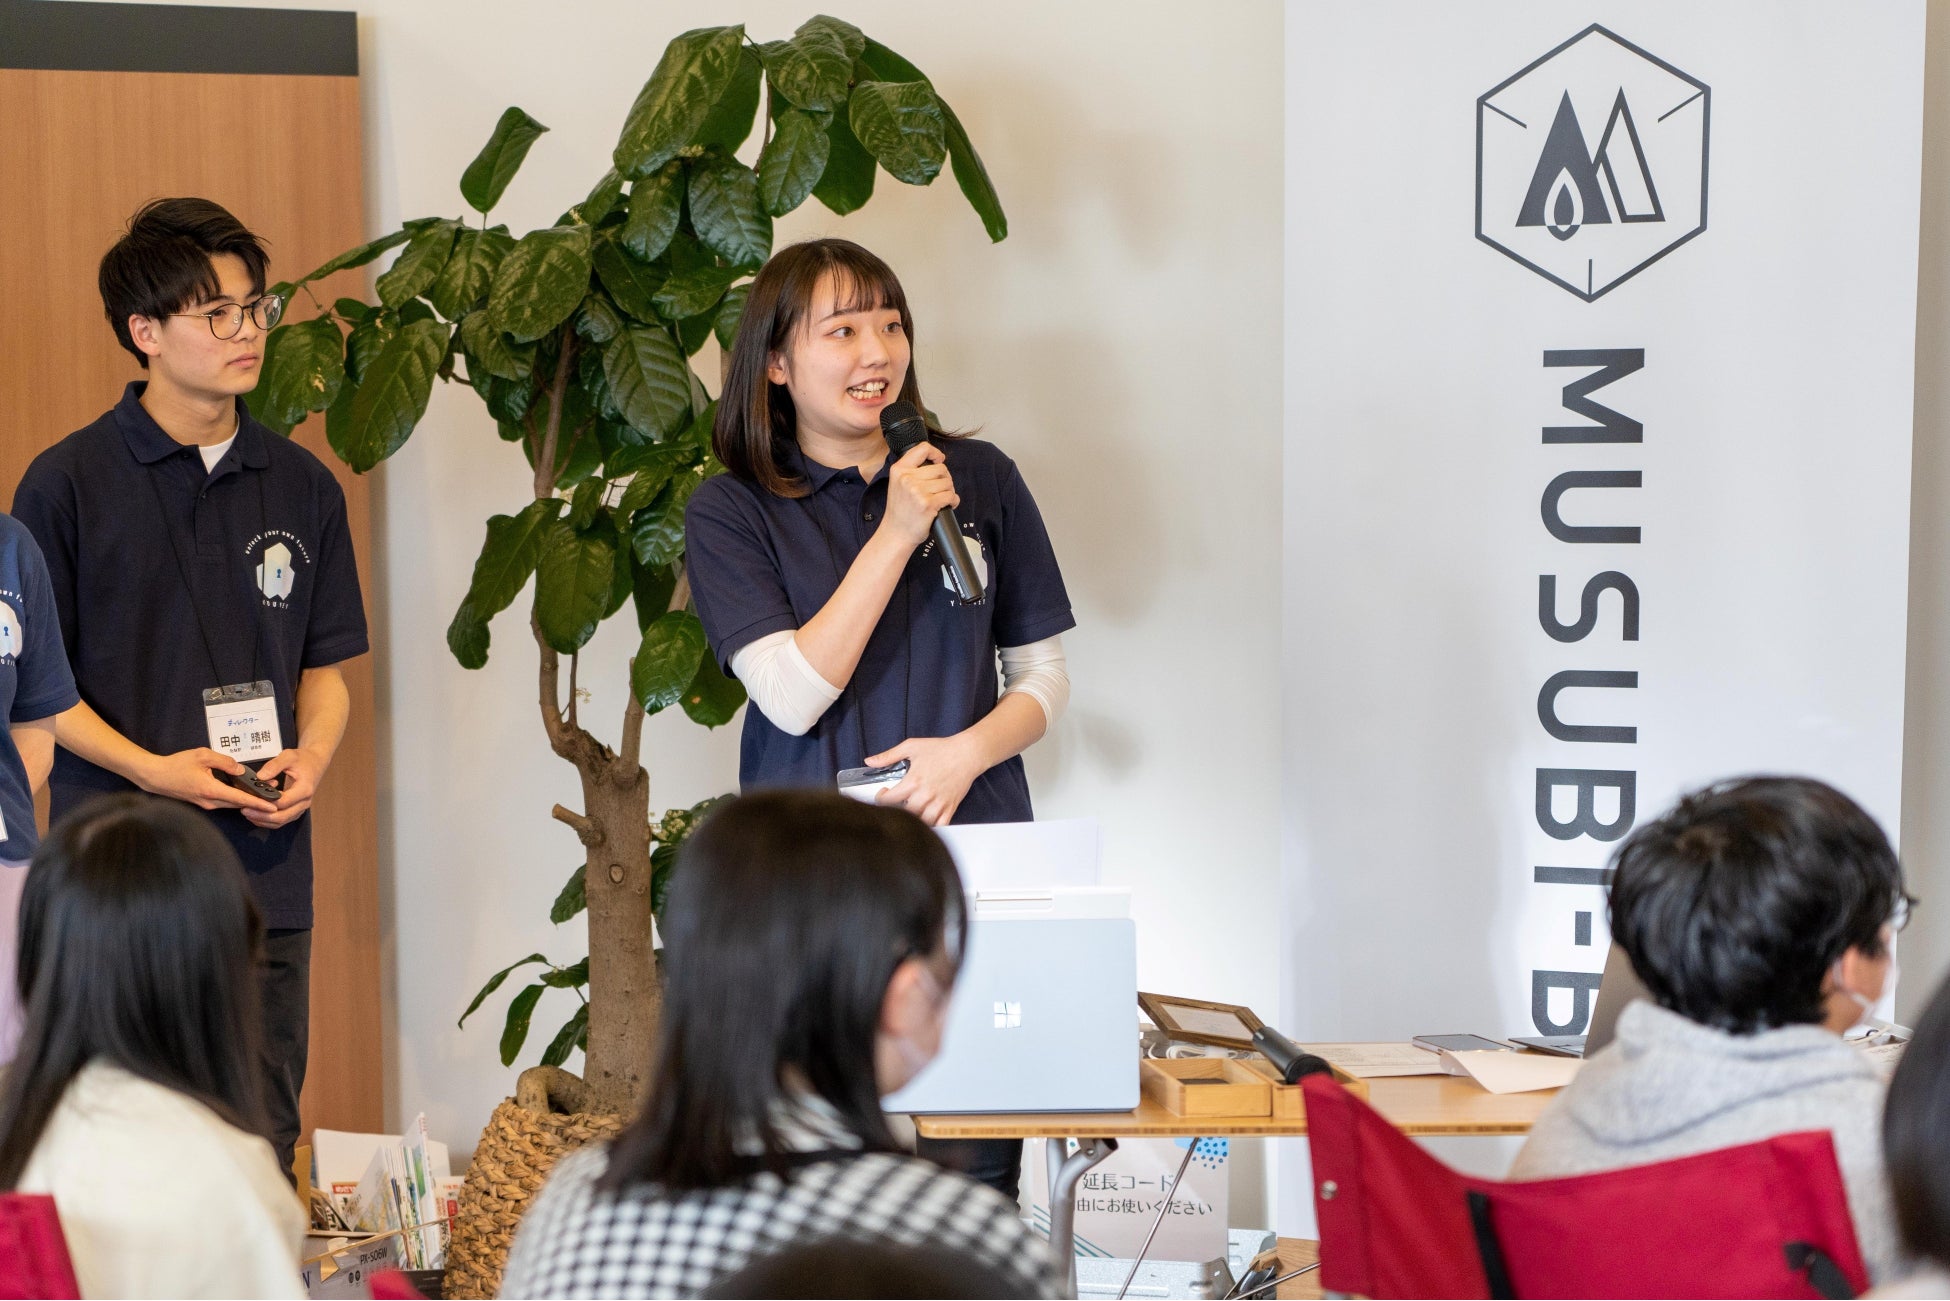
column 1599, row 352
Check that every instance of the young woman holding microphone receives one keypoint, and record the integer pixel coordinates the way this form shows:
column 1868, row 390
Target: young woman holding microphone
column 822, row 591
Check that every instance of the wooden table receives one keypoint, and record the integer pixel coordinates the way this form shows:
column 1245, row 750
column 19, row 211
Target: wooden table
column 1421, row 1106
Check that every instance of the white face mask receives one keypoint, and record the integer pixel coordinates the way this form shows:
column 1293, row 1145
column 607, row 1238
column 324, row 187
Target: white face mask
column 1867, row 1015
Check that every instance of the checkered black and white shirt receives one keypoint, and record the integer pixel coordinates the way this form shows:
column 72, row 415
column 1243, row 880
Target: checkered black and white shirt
column 578, row 1241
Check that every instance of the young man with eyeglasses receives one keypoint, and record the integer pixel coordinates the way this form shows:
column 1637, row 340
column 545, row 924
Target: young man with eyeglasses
column 1761, row 915
column 206, row 586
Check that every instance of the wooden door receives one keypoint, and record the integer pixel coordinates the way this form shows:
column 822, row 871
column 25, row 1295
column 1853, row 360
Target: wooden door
column 103, row 107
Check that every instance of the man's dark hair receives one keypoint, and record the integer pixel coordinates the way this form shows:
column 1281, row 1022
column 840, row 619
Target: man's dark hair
column 857, row 1267
column 1916, row 1135
column 788, row 916
column 1734, row 905
column 162, row 262
column 139, row 947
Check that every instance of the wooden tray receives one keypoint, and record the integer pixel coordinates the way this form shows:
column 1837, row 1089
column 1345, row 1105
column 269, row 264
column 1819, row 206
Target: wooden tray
column 1240, row 1091
column 1289, row 1103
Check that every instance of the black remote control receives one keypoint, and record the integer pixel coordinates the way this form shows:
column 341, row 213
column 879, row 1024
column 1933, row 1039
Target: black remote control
column 251, row 784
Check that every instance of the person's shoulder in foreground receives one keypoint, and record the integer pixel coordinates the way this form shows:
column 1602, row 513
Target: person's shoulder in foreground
column 581, row 1240
column 139, row 1172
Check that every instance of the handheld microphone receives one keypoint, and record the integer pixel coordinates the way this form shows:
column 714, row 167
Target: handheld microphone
column 903, row 428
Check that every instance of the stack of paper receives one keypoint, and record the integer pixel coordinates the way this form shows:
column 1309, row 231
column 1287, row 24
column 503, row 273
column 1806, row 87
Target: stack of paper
column 405, row 1186
column 1502, row 1072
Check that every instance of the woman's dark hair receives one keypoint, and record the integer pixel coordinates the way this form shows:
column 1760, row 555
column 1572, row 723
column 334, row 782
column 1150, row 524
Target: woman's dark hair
column 789, row 913
column 861, row 1267
column 756, row 422
column 1916, row 1134
column 162, row 262
column 139, row 946
column 1734, row 905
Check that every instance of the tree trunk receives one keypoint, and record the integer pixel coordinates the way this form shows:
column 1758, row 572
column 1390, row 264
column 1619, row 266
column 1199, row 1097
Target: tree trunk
column 625, row 997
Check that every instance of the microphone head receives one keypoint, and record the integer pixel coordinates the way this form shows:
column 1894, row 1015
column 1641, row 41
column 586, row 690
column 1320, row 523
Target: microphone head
column 902, row 427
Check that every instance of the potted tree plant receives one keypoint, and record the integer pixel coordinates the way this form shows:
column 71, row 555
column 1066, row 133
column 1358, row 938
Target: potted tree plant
column 577, row 338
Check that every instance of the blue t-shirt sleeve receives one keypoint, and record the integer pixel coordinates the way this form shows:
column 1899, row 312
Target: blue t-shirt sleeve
column 1031, row 602
column 337, row 630
column 735, row 579
column 43, row 682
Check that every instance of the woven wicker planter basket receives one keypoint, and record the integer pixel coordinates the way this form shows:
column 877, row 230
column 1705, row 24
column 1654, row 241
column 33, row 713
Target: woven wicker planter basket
column 517, row 1150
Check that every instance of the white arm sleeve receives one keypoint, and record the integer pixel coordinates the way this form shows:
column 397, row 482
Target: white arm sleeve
column 1037, row 671
column 783, row 683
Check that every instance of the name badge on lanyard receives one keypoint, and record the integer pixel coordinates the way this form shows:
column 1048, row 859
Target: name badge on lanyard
column 243, row 720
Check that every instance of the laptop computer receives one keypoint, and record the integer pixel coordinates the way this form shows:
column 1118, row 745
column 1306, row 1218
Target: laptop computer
column 1044, row 1014
column 1618, row 987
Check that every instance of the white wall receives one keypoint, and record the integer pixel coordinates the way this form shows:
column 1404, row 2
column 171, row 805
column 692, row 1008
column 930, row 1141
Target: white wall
column 1122, row 345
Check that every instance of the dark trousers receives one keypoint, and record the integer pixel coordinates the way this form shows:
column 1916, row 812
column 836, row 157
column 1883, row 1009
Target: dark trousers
column 996, row 1162
column 284, row 990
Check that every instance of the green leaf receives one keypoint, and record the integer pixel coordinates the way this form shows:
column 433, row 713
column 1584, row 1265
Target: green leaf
column 792, row 161
column 651, row 590
column 663, row 870
column 598, row 320
column 624, row 580
column 900, row 124
column 656, row 206
column 632, row 283
column 602, row 199
column 467, row 637
column 570, row 977
column 540, row 281
column 573, row 898
column 585, row 501
column 667, row 660
column 351, row 310
column 509, row 555
column 498, row 357
column 414, row 271
column 847, row 182
column 500, row 158
column 494, row 983
column 367, row 340
column 730, row 312
column 812, row 70
column 464, row 281
column 693, row 293
column 726, row 213
column 970, row 174
column 360, row 256
column 648, row 379
column 657, row 532
column 392, row 396
column 515, row 1032
column 731, row 117
column 694, row 333
column 572, row 583
column 848, row 36
column 692, row 76
column 304, row 365
column 569, row 1038
column 712, row 698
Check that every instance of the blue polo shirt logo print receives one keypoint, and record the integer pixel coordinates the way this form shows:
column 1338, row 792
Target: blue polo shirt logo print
column 275, row 556
column 13, row 637
column 978, row 556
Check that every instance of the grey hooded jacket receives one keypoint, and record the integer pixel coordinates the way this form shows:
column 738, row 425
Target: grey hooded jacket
column 1670, row 1087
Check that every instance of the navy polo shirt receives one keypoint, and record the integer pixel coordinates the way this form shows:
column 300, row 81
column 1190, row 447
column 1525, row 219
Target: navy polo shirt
column 762, row 564
column 105, row 503
column 34, row 678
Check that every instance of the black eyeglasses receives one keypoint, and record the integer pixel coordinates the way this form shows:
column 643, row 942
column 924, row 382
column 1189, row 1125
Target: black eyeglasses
column 226, row 321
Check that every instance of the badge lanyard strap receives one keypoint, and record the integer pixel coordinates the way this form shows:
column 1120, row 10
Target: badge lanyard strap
column 196, row 609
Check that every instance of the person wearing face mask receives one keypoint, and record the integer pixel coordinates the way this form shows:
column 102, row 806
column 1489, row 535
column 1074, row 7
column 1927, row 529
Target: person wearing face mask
column 810, row 945
column 821, row 589
column 1761, row 915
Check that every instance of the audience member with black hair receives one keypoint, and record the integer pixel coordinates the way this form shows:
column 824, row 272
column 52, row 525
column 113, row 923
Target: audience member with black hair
column 810, row 944
column 842, row 1269
column 134, row 1097
column 1916, row 1147
column 1760, row 915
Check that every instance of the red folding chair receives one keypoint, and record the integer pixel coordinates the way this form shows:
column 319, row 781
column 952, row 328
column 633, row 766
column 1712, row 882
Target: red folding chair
column 391, row 1285
column 34, row 1260
column 1767, row 1219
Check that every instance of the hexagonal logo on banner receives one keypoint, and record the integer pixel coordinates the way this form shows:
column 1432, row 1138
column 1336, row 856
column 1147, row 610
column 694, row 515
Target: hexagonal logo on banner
column 1591, row 162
